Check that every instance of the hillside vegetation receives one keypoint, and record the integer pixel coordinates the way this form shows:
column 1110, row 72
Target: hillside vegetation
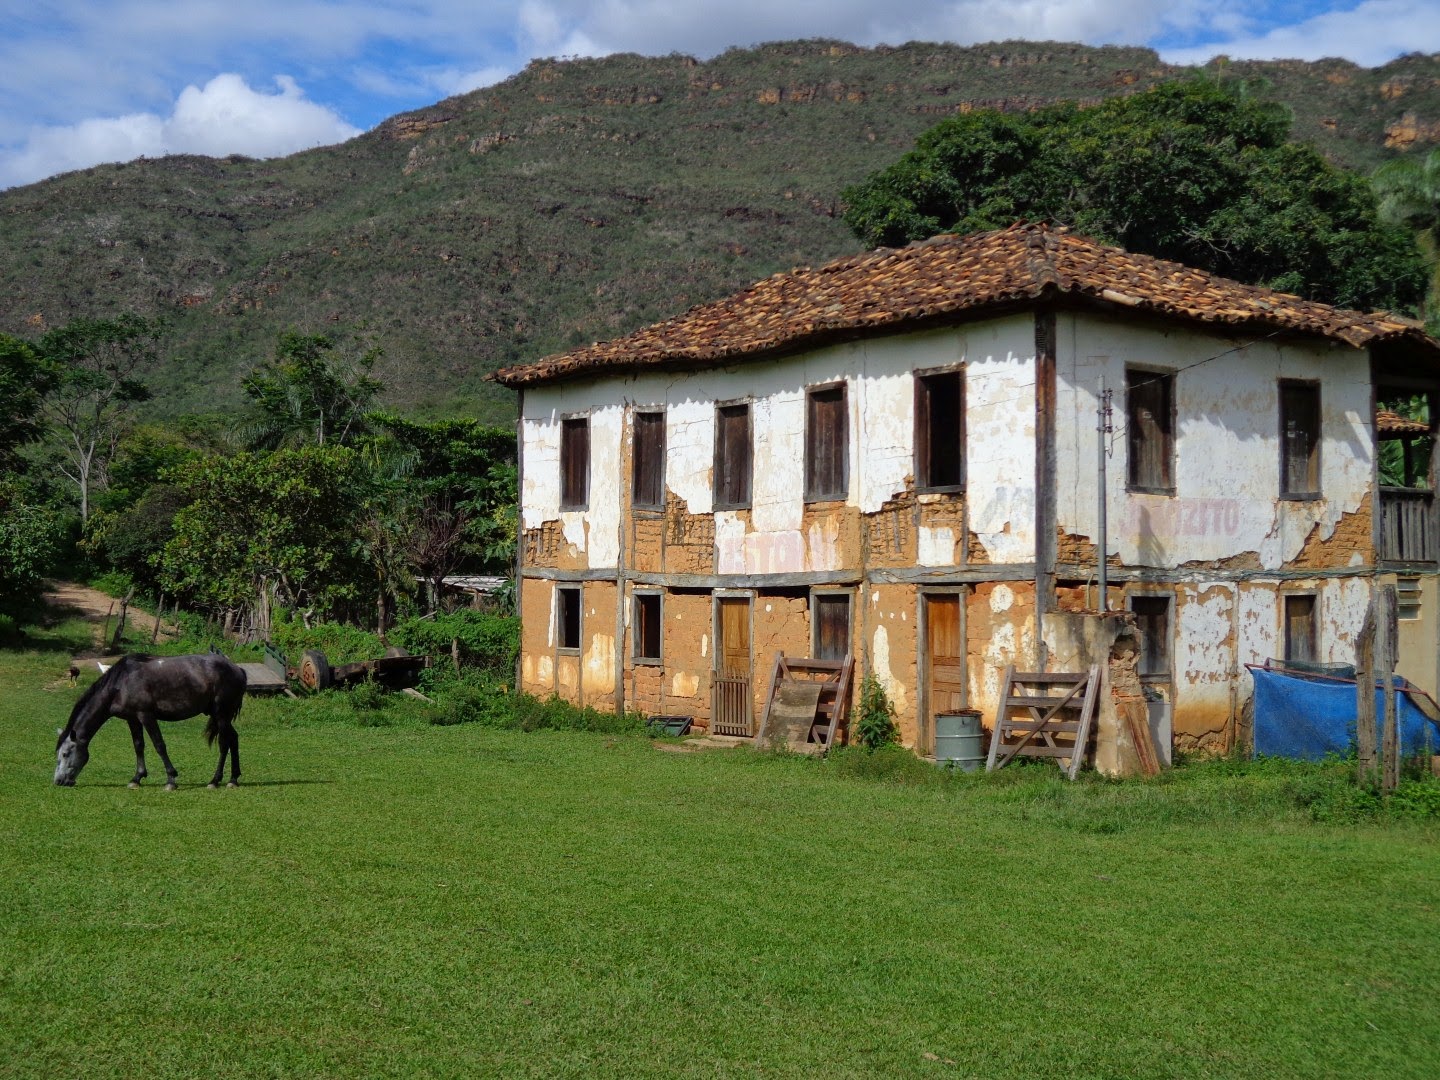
column 573, row 202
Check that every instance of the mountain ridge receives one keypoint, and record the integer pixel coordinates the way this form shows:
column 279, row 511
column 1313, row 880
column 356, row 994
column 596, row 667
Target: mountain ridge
column 576, row 201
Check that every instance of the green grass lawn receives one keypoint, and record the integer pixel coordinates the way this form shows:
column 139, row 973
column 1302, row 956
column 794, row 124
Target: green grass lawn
column 454, row 901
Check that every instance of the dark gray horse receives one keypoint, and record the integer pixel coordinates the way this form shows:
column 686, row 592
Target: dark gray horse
column 145, row 690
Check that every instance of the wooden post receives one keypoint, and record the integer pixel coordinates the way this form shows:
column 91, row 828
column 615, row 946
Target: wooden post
column 1387, row 629
column 159, row 614
column 1365, row 699
column 455, row 654
column 120, row 623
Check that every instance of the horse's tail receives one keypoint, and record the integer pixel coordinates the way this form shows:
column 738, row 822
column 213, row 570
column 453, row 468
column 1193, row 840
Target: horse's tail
column 228, row 700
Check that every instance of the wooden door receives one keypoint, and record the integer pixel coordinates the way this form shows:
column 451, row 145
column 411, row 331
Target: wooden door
column 944, row 651
column 732, row 707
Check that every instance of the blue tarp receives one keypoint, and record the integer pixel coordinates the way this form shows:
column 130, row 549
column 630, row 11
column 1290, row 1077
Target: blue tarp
column 1299, row 717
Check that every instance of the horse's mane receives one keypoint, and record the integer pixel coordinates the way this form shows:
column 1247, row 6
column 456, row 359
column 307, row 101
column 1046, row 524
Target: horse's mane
column 101, row 684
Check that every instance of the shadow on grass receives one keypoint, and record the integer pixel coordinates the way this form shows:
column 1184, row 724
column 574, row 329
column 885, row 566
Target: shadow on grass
column 203, row 785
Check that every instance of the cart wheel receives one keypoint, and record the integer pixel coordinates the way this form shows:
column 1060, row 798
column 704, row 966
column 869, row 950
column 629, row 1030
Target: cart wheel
column 396, row 650
column 314, row 670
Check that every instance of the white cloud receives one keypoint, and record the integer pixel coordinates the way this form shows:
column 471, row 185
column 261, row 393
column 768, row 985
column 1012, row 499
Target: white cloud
column 1370, row 34
column 590, row 27
column 225, row 116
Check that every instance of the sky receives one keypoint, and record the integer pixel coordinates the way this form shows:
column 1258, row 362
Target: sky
column 90, row 81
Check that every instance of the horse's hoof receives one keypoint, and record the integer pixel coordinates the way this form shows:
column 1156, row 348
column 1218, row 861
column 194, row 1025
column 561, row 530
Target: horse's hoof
column 134, row 785
column 171, row 787
column 233, row 783
column 213, row 787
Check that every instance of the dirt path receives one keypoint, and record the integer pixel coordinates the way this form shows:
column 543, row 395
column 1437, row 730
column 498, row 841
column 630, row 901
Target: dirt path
column 70, row 598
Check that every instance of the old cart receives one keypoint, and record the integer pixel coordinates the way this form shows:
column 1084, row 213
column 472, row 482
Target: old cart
column 397, row 669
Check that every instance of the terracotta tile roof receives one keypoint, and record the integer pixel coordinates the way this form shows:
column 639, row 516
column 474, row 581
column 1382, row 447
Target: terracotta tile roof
column 1391, row 425
column 950, row 278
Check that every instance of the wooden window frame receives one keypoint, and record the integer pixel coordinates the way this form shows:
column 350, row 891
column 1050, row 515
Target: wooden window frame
column 637, row 639
column 849, row 597
column 574, row 422
column 639, row 499
column 1164, row 377
column 578, row 591
column 813, row 491
column 1312, row 385
column 1285, row 598
column 1168, row 675
column 720, row 450
column 925, row 436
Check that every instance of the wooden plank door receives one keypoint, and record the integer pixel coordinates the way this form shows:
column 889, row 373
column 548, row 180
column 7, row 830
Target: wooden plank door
column 944, row 651
column 733, row 706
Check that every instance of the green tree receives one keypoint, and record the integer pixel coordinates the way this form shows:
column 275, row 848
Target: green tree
column 1409, row 191
column 310, row 391
column 460, row 487
column 258, row 528
column 95, row 369
column 32, row 539
column 24, row 381
column 132, row 519
column 1191, row 171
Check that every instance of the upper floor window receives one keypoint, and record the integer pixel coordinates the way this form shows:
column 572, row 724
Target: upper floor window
column 1150, row 423
column 647, row 460
column 732, row 456
column 575, row 463
column 1299, row 440
column 827, row 444
column 940, row 432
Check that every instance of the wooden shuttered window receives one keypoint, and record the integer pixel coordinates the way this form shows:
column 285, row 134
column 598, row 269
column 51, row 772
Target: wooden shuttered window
column 646, row 627
column 827, row 444
column 732, row 456
column 1301, row 644
column 1150, row 419
column 575, row 463
column 830, row 625
column 1299, row 440
column 647, row 460
column 940, row 432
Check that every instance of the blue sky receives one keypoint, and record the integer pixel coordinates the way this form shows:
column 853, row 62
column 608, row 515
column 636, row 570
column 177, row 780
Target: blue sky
column 86, row 81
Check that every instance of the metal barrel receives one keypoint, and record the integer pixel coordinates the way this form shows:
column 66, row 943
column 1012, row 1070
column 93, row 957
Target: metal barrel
column 958, row 739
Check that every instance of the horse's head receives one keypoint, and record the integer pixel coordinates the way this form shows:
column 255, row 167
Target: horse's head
column 70, row 757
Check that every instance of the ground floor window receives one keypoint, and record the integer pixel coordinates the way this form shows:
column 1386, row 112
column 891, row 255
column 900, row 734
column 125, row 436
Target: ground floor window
column 830, row 625
column 1301, row 645
column 567, row 616
column 645, row 627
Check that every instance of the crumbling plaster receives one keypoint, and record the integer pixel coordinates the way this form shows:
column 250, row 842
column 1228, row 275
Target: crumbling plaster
column 776, row 534
column 1227, row 455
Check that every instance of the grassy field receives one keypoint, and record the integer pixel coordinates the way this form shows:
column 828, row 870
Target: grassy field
column 405, row 900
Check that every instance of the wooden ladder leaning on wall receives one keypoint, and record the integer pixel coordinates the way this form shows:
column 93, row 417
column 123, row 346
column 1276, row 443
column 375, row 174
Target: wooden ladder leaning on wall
column 1057, row 710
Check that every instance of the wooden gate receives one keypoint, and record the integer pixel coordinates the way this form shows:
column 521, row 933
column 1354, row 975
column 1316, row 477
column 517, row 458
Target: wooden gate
column 733, row 708
column 1057, row 708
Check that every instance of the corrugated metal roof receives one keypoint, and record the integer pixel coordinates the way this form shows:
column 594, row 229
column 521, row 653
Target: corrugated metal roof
column 946, row 277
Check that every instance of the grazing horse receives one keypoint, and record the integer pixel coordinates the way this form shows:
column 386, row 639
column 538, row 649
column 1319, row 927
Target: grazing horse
column 145, row 690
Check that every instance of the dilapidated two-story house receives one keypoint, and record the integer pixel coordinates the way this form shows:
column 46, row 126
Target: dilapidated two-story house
column 899, row 456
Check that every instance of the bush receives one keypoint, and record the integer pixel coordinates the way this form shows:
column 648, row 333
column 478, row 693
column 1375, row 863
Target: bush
column 488, row 641
column 341, row 644
column 478, row 701
column 876, row 724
